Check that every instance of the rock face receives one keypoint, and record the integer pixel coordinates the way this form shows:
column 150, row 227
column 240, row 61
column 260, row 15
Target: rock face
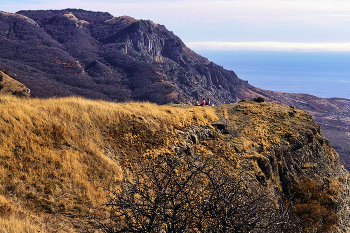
column 276, row 147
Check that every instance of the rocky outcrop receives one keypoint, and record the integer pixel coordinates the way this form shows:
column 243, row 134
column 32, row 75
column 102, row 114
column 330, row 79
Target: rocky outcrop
column 276, row 147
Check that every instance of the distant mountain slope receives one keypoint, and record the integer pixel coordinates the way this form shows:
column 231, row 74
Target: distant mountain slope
column 99, row 56
column 58, row 53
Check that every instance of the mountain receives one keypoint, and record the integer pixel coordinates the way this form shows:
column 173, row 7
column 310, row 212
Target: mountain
column 269, row 167
column 71, row 52
column 96, row 55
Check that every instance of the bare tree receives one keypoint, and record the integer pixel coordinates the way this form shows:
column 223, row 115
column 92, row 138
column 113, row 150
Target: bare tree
column 189, row 193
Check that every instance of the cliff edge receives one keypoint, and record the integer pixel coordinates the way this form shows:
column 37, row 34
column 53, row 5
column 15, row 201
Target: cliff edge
column 59, row 156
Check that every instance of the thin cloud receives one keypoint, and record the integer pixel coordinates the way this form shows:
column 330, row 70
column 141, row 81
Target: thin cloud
column 251, row 11
column 242, row 20
column 270, row 46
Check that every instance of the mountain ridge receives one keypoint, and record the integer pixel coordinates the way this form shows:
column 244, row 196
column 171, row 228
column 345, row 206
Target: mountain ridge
column 95, row 55
column 135, row 42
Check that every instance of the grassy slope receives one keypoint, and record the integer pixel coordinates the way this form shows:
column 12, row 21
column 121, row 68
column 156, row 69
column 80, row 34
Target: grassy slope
column 11, row 86
column 55, row 154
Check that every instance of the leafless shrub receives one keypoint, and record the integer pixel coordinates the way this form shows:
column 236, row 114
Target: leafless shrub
column 191, row 194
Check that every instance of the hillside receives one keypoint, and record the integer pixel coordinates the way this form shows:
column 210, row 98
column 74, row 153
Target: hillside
column 59, row 155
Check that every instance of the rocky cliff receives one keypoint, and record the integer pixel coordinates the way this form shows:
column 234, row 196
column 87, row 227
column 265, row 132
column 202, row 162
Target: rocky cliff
column 285, row 145
column 59, row 156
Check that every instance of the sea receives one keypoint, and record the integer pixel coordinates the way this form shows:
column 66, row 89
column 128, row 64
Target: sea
column 323, row 74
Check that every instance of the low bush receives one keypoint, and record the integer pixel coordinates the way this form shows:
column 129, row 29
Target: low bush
column 314, row 206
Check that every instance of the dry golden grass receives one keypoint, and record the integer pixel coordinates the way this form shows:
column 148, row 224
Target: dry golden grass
column 57, row 154
column 13, row 225
column 264, row 124
column 9, row 85
column 79, row 22
column 13, row 219
column 307, row 166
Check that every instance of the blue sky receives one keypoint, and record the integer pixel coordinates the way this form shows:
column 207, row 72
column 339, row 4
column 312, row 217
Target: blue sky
column 273, row 25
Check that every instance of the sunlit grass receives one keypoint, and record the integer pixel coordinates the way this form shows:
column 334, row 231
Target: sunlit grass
column 57, row 154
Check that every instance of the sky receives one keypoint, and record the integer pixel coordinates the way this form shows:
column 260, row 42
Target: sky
column 264, row 25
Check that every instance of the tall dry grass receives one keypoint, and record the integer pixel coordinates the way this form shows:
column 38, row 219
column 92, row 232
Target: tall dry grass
column 16, row 225
column 56, row 155
column 13, row 219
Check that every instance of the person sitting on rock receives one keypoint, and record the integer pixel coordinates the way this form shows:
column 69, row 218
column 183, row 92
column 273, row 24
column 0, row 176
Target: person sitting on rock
column 203, row 103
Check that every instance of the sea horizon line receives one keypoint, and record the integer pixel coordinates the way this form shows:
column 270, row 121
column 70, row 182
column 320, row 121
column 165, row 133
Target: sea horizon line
column 270, row 46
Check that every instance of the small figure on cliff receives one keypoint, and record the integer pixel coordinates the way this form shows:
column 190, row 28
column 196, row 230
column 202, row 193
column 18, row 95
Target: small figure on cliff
column 203, row 103
column 208, row 102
